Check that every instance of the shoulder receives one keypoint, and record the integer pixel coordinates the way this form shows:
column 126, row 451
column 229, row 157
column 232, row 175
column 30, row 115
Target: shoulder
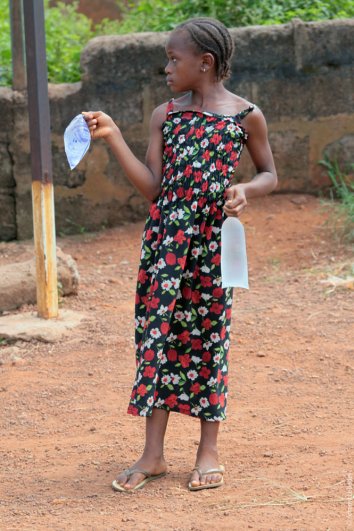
column 158, row 115
column 254, row 120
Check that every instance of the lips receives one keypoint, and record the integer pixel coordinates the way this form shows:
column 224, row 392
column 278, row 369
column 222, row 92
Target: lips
column 169, row 81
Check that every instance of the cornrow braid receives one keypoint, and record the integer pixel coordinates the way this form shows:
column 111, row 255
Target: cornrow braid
column 211, row 36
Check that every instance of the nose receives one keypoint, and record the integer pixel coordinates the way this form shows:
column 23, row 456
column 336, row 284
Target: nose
column 167, row 68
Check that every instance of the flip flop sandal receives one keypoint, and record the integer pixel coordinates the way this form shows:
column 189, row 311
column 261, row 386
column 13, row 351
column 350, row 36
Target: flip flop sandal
column 219, row 470
column 129, row 472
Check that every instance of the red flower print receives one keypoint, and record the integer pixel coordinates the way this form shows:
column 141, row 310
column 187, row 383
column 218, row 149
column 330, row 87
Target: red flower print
column 184, row 360
column 220, row 125
column 189, row 194
column 229, row 146
column 164, row 328
column 149, row 371
column 182, row 261
column 228, row 313
column 208, row 232
column 180, row 192
column 206, row 323
column 184, row 408
column 223, row 333
column 201, row 201
column 222, row 400
column 219, row 376
column 206, row 155
column 184, row 337
column 154, row 302
column 216, row 139
column 148, row 234
column 205, row 281
column 198, row 176
column 155, row 211
column 188, row 170
column 177, row 129
column 196, row 296
column 187, row 292
column 197, row 344
column 195, row 388
column 200, row 132
column 204, row 372
column 216, row 308
column 180, row 237
column 218, row 292
column 170, row 258
column 132, row 410
column 172, row 355
column 214, row 399
column 226, row 379
column 149, row 355
column 205, row 186
column 142, row 390
column 206, row 356
column 171, row 401
column 218, row 164
column 216, row 259
column 142, row 276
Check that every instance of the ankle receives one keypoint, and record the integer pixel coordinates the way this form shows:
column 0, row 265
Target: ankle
column 151, row 454
column 207, row 449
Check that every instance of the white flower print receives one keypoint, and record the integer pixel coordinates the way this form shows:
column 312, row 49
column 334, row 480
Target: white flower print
column 231, row 127
column 171, row 338
column 176, row 120
column 148, row 343
column 160, row 354
column 212, row 187
column 166, row 285
column 213, row 246
column 180, row 213
column 197, row 164
column 163, row 359
column 216, row 230
column 211, row 382
column 195, row 229
column 161, row 311
column 202, row 310
column 150, row 401
column 217, row 187
column 197, row 251
column 204, row 402
column 196, row 359
column 161, row 263
column 154, row 245
column 192, row 375
column 181, row 139
column 159, row 402
column 175, row 379
column 209, row 129
column 188, row 316
column 212, row 167
column 226, row 344
column 175, row 282
column 168, row 239
column 216, row 358
column 205, row 269
column 204, row 143
column 196, row 410
column 173, row 217
column 189, row 230
column 215, row 337
column 184, row 397
column 179, row 315
column 194, row 206
column 196, row 332
column 166, row 379
column 206, row 296
column 143, row 412
column 155, row 332
column 207, row 345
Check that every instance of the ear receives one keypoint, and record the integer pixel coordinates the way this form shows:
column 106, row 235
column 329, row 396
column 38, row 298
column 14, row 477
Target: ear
column 208, row 62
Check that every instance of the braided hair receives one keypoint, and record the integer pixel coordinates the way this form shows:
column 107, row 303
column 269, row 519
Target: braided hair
column 211, row 36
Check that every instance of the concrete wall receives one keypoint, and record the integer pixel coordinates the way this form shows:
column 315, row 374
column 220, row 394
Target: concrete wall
column 300, row 75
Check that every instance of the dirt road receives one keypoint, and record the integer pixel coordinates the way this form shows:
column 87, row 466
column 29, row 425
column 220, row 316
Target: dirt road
column 288, row 443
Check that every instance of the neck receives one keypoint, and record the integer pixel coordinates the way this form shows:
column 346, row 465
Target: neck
column 206, row 96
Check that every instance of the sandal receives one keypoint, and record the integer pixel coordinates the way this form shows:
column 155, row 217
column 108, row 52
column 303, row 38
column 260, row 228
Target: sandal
column 219, row 470
column 129, row 472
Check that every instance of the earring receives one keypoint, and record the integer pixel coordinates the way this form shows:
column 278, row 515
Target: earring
column 203, row 69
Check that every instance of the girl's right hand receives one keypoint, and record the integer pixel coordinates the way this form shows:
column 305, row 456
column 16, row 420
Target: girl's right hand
column 100, row 124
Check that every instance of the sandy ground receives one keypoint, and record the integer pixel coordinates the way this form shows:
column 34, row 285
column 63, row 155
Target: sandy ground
column 288, row 444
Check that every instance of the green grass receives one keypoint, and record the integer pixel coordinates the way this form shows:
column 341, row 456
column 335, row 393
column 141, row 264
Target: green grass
column 68, row 31
column 341, row 219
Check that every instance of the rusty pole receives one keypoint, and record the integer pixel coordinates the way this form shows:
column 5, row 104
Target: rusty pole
column 41, row 160
column 17, row 45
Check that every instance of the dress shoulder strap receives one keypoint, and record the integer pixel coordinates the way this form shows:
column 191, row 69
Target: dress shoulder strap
column 244, row 113
column 169, row 107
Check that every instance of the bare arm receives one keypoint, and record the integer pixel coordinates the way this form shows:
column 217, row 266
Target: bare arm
column 145, row 177
column 266, row 178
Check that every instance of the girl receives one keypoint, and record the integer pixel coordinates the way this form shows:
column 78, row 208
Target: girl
column 182, row 312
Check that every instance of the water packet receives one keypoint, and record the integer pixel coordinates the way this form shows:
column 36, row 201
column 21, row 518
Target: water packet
column 234, row 271
column 77, row 140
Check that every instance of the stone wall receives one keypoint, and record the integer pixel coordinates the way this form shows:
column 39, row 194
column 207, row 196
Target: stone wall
column 300, row 75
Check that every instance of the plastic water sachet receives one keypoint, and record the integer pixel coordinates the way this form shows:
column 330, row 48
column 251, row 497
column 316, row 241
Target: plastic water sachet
column 234, row 271
column 77, row 140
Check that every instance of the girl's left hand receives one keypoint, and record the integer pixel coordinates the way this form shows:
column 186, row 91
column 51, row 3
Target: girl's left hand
column 236, row 200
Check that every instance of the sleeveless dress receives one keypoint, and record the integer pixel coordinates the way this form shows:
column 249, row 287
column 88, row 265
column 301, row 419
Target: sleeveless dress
column 182, row 313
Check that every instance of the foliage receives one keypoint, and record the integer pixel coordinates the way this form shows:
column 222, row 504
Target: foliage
column 343, row 190
column 67, row 31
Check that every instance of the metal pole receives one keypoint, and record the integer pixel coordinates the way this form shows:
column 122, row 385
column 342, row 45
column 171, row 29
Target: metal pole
column 41, row 160
column 17, row 45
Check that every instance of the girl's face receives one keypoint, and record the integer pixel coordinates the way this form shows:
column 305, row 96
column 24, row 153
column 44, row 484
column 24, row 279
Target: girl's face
column 184, row 67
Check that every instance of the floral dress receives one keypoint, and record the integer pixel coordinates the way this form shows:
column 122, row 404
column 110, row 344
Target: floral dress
column 183, row 314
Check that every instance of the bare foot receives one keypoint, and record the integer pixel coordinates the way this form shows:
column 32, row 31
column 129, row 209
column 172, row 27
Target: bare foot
column 152, row 465
column 207, row 459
